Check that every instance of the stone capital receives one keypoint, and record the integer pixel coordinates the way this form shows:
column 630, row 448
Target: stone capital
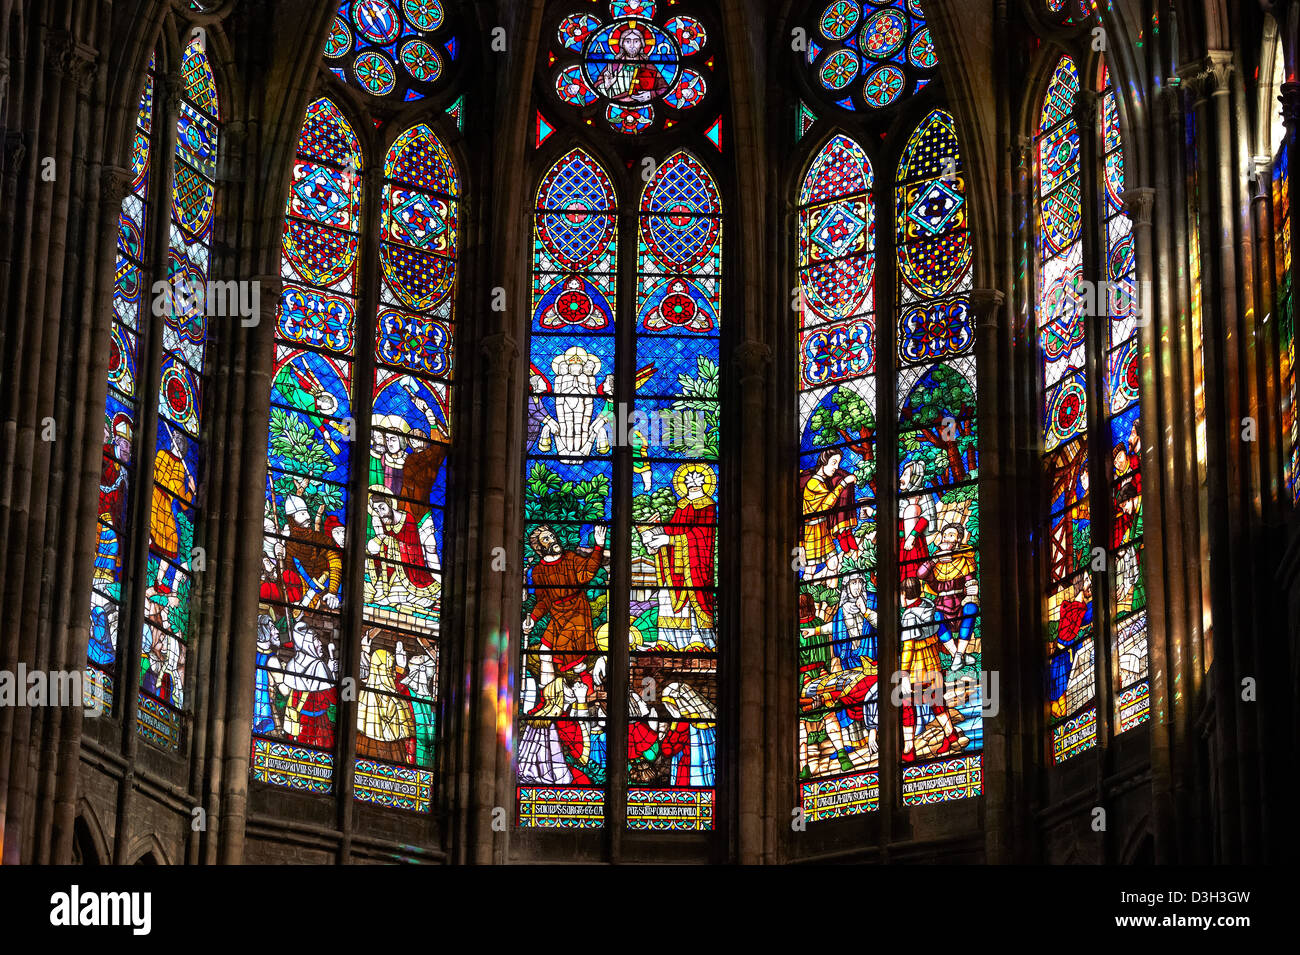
column 985, row 303
column 752, row 359
column 498, row 353
column 15, row 149
column 1289, row 97
column 1208, row 76
column 1137, row 203
column 70, row 59
column 172, row 90
column 1025, row 150
column 1085, row 108
column 114, row 184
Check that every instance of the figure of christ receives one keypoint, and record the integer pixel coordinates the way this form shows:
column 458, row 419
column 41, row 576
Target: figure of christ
column 922, row 671
column 629, row 78
column 914, row 521
column 830, row 515
column 684, row 560
column 560, row 580
column 385, row 718
column 953, row 580
column 308, row 680
column 310, row 552
column 575, row 428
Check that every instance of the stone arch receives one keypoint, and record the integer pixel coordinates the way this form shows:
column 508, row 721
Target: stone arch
column 89, row 842
column 148, row 849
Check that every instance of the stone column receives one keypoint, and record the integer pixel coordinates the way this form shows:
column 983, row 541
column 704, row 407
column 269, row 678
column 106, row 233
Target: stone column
column 999, row 646
column 240, row 631
column 752, row 362
column 115, row 184
column 1161, row 629
column 490, row 641
column 69, row 70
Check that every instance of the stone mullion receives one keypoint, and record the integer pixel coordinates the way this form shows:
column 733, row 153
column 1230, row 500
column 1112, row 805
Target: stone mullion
column 351, row 615
column 227, row 375
column 1100, row 495
column 1161, row 584
column 618, row 543
column 1034, row 746
column 149, row 369
column 1267, row 320
column 887, row 307
column 68, row 67
column 19, row 211
column 1232, row 373
column 12, row 152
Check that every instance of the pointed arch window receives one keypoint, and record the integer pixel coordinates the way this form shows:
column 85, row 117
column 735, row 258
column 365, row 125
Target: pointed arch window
column 360, row 433
column 1087, row 330
column 663, row 593
column 876, row 399
column 1280, row 148
column 324, row 486
column 623, row 468
column 157, row 435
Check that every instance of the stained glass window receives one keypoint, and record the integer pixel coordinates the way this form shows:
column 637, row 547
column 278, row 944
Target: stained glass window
column 309, row 463
column 392, row 49
column 1068, row 10
column 673, row 672
column 641, row 67
column 169, row 579
column 1062, row 333
column 1124, row 437
column 121, row 414
column 870, row 55
column 568, row 499
column 931, row 439
column 838, row 645
column 663, row 441
column 1286, row 308
column 410, row 421
column 938, row 473
column 316, row 467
